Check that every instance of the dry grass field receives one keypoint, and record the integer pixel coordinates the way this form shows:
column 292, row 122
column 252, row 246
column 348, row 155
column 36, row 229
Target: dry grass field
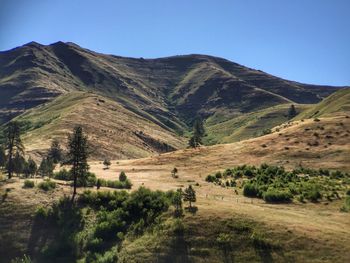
column 310, row 232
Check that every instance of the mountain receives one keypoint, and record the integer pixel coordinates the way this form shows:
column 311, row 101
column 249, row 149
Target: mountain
column 167, row 93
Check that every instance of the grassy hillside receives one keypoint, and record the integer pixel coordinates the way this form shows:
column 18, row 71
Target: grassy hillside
column 249, row 125
column 169, row 91
column 338, row 102
column 227, row 224
column 113, row 130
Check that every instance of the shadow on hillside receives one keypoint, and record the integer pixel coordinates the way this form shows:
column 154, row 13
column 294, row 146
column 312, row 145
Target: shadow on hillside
column 40, row 235
column 179, row 251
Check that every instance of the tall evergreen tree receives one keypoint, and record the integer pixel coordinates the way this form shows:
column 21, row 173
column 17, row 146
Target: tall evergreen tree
column 18, row 164
column 292, row 112
column 189, row 195
column 177, row 202
column 55, row 152
column 77, row 157
column 31, row 167
column 198, row 133
column 46, row 167
column 13, row 145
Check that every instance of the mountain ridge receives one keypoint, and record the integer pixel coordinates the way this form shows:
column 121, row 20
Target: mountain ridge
column 169, row 92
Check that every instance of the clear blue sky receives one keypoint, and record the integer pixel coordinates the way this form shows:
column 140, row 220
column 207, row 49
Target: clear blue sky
column 302, row 40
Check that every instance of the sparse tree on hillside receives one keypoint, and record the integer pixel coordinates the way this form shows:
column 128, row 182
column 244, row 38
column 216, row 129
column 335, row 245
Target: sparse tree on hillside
column 77, row 157
column 18, row 164
column 122, row 176
column 13, row 145
column 55, row 152
column 189, row 195
column 198, row 133
column 174, row 172
column 107, row 163
column 46, row 167
column 292, row 112
column 177, row 202
column 31, row 167
column 98, row 184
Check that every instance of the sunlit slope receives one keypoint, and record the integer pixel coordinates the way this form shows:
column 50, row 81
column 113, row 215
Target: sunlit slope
column 249, row 125
column 337, row 103
column 114, row 132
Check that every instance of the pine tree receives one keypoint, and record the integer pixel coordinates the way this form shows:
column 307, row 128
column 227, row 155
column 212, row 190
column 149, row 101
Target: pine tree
column 77, row 157
column 174, row 173
column 18, row 164
column 292, row 112
column 189, row 195
column 31, row 167
column 106, row 163
column 198, row 133
column 13, row 145
column 122, row 176
column 46, row 167
column 177, row 202
column 55, row 152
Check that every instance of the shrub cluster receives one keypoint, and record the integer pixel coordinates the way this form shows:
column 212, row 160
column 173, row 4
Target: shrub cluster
column 115, row 183
column 119, row 213
column 275, row 184
column 28, row 184
column 47, row 185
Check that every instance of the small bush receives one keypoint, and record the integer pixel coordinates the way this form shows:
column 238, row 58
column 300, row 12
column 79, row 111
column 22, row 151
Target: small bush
column 63, row 174
column 250, row 190
column 277, row 196
column 115, row 184
column 346, row 206
column 28, row 184
column 47, row 185
column 42, row 213
column 313, row 194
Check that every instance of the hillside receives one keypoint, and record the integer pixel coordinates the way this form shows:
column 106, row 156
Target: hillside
column 336, row 103
column 114, row 131
column 297, row 231
column 167, row 92
column 249, row 125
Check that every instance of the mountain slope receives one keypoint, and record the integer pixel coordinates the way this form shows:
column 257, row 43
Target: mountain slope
column 169, row 92
column 338, row 102
column 113, row 131
column 249, row 125
column 166, row 88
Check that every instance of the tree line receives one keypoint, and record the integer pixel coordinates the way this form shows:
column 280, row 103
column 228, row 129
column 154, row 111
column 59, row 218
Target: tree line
column 12, row 156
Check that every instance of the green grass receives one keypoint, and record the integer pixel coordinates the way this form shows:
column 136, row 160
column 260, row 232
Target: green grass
column 337, row 102
column 248, row 125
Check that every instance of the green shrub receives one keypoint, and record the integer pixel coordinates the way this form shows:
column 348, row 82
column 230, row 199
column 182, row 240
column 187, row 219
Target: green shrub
column 211, row 178
column 47, row 185
column 115, row 184
column 346, row 206
column 277, row 196
column 28, row 184
column 250, row 190
column 42, row 212
column 63, row 174
column 313, row 194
